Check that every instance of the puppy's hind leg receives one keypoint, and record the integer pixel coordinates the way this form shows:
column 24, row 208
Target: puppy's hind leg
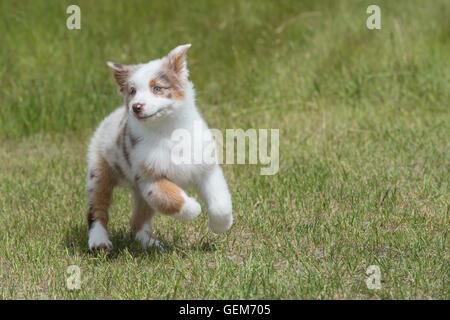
column 100, row 185
column 141, row 222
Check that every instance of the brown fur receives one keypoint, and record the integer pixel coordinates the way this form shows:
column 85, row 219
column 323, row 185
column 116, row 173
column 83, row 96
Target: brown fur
column 122, row 73
column 169, row 79
column 177, row 62
column 148, row 172
column 168, row 89
column 119, row 171
column 141, row 214
column 119, row 139
column 127, row 102
column 178, row 94
column 125, row 152
column 168, row 198
column 101, row 195
column 121, row 77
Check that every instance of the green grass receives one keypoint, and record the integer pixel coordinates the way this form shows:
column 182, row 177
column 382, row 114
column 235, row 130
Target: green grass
column 364, row 148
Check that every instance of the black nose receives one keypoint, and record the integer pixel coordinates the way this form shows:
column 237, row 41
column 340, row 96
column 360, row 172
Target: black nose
column 137, row 107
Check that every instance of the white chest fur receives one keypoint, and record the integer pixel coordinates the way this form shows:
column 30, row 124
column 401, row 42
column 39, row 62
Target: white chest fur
column 155, row 151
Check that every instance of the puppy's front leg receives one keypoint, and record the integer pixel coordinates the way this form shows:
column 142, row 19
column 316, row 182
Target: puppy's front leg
column 167, row 198
column 213, row 190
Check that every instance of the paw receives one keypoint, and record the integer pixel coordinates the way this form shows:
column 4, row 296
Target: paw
column 189, row 211
column 98, row 238
column 147, row 241
column 220, row 217
column 220, row 223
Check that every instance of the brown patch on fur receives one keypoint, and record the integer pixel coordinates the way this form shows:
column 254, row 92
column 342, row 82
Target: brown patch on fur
column 141, row 214
column 148, row 172
column 122, row 73
column 123, row 122
column 170, row 86
column 101, row 195
column 177, row 62
column 119, row 138
column 170, row 79
column 127, row 102
column 119, row 170
column 178, row 94
column 168, row 198
column 166, row 78
column 90, row 216
column 126, row 155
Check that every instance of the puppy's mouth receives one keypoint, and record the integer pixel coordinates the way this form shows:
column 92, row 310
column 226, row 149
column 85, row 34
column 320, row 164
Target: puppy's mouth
column 143, row 117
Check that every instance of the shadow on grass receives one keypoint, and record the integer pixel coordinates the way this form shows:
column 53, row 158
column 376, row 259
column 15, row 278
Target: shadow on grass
column 76, row 242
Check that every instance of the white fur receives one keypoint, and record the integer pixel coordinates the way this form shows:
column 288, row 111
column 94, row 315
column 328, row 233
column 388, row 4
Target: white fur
column 144, row 238
column 189, row 211
column 154, row 150
column 98, row 236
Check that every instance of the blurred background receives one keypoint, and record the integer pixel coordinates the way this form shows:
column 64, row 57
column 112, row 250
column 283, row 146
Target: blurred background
column 247, row 57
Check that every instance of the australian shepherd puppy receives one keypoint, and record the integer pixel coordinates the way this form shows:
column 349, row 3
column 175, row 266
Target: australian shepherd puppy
column 132, row 147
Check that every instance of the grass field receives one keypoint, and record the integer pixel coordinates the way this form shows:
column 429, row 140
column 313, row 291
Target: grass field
column 364, row 148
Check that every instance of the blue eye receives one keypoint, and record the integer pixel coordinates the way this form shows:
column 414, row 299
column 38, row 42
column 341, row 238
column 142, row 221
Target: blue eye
column 156, row 88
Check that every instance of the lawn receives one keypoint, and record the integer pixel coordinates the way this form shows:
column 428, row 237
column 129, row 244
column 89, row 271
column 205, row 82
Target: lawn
column 364, row 122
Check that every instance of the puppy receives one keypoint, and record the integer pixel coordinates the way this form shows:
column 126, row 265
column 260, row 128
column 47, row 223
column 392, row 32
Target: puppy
column 132, row 147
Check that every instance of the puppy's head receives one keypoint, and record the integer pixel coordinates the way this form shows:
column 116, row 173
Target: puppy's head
column 154, row 89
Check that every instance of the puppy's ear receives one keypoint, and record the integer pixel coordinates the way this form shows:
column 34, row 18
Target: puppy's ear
column 121, row 73
column 177, row 60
